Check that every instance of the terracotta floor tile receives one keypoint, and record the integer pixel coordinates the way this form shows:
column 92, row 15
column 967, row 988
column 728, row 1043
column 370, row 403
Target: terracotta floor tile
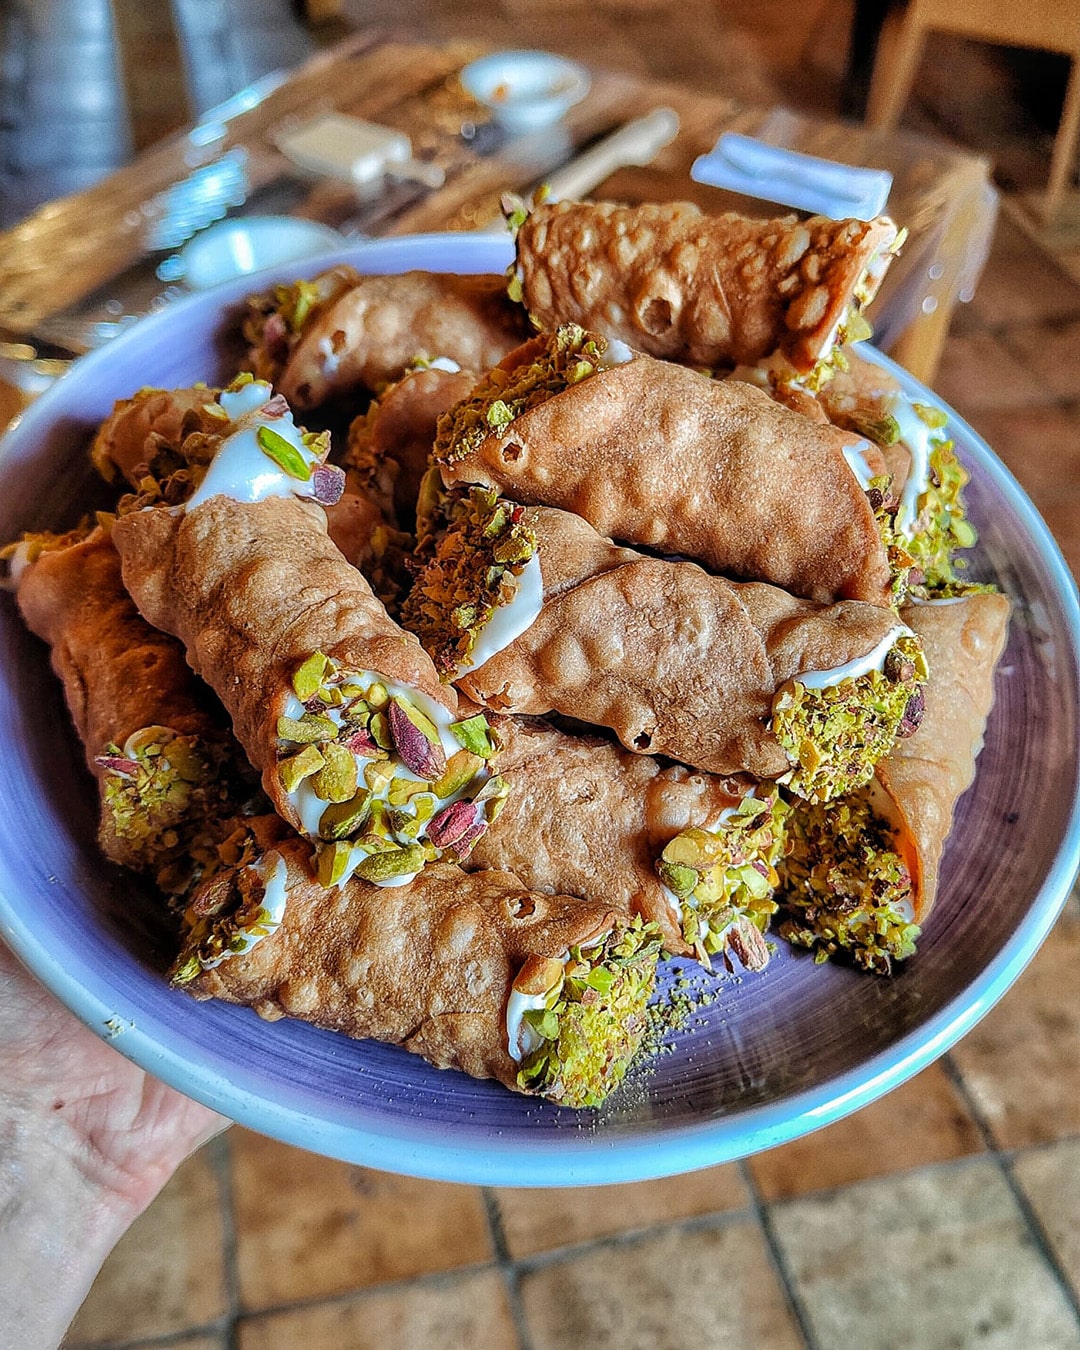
column 712, row 1288
column 536, row 1221
column 1050, row 1178
column 167, row 1273
column 1063, row 518
column 1022, row 1061
column 978, row 373
column 204, row 1341
column 1021, row 284
column 937, row 1259
column 308, row 1226
column 468, row 1312
column 922, row 1122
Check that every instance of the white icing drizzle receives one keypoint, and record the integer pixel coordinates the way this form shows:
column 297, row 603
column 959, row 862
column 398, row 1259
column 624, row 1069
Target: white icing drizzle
column 241, row 469
column 18, row 563
column 509, row 621
column 919, row 439
column 910, row 599
column 856, row 459
column 330, row 360
column 617, row 353
column 446, row 363
column 522, row 1039
column 274, row 873
column 860, row 665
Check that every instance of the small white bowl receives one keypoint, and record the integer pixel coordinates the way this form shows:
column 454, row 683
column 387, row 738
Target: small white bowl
column 234, row 248
column 526, row 90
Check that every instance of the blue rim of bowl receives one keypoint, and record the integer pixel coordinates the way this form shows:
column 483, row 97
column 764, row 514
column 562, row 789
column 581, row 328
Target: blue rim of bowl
column 590, row 1160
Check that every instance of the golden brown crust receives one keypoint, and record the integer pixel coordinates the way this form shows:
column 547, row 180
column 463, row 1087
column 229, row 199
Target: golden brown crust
column 251, row 590
column 139, row 426
column 675, row 661
column 659, row 455
column 119, row 674
column 926, row 773
column 428, row 965
column 370, row 334
column 586, row 818
column 705, row 290
column 390, row 444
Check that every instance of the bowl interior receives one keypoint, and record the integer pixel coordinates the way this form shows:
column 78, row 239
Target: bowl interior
column 765, row 1059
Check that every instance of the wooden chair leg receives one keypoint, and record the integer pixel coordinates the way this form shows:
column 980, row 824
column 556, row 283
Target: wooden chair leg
column 891, row 87
column 1062, row 163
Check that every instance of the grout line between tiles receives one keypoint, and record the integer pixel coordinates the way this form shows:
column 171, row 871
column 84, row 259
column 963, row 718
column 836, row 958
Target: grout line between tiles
column 217, row 1327
column 509, row 1271
column 777, row 1257
column 221, row 1161
column 1037, row 1232
column 572, row 1251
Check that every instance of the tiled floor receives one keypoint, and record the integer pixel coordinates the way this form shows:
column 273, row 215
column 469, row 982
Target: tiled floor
column 944, row 1217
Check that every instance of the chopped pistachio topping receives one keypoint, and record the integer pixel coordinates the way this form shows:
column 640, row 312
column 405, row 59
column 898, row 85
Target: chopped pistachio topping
column 722, row 875
column 571, row 355
column 370, row 775
column 941, row 525
column 844, row 888
column 594, row 1019
column 229, row 914
column 836, row 734
column 473, row 572
column 286, row 456
column 475, row 735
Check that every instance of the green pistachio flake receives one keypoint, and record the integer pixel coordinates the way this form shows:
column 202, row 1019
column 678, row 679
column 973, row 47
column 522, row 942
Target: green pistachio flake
column 331, row 862
column 240, row 381
column 475, row 735
column 293, row 770
column 306, row 730
column 309, row 675
column 337, row 780
column 844, row 889
column 154, row 791
column 296, row 302
column 506, row 394
column 341, row 820
column 461, row 768
column 834, row 736
column 934, row 418
column 472, row 573
column 283, row 453
column 727, row 874
column 395, row 862
column 941, row 526
column 596, row 1024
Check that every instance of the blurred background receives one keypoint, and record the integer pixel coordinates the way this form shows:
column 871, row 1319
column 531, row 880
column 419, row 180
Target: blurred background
column 943, row 1217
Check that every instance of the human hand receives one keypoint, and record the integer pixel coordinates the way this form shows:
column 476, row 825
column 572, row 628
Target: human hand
column 87, row 1140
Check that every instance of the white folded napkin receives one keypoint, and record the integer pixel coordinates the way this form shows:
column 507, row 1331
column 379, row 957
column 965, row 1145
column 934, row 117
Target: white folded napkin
column 774, row 174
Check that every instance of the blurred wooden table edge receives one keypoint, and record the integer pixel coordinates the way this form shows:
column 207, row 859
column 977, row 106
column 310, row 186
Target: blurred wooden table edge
column 941, row 193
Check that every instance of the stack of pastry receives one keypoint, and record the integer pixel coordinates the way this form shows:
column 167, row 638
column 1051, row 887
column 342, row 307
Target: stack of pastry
column 581, row 651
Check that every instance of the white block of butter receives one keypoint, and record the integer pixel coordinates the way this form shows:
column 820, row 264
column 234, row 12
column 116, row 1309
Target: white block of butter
column 337, row 146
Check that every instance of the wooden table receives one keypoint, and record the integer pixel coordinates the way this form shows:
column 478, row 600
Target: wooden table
column 71, row 272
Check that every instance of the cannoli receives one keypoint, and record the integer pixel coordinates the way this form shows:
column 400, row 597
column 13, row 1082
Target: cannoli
column 656, row 454
column 708, row 291
column 861, row 874
column 340, row 710
column 390, row 444
column 531, row 611
column 158, row 747
column 319, row 339
column 367, row 535
column 584, row 817
column 545, row 993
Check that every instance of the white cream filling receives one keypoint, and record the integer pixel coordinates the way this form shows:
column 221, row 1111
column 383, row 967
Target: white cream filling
column 509, row 621
column 17, row 564
column 274, row 873
column 859, row 665
column 446, row 363
column 522, row 1039
column 241, row 469
column 919, row 439
column 856, row 459
column 934, row 600
column 330, row 359
column 617, row 353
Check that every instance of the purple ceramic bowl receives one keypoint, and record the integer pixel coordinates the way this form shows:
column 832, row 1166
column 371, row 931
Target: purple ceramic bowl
column 773, row 1057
